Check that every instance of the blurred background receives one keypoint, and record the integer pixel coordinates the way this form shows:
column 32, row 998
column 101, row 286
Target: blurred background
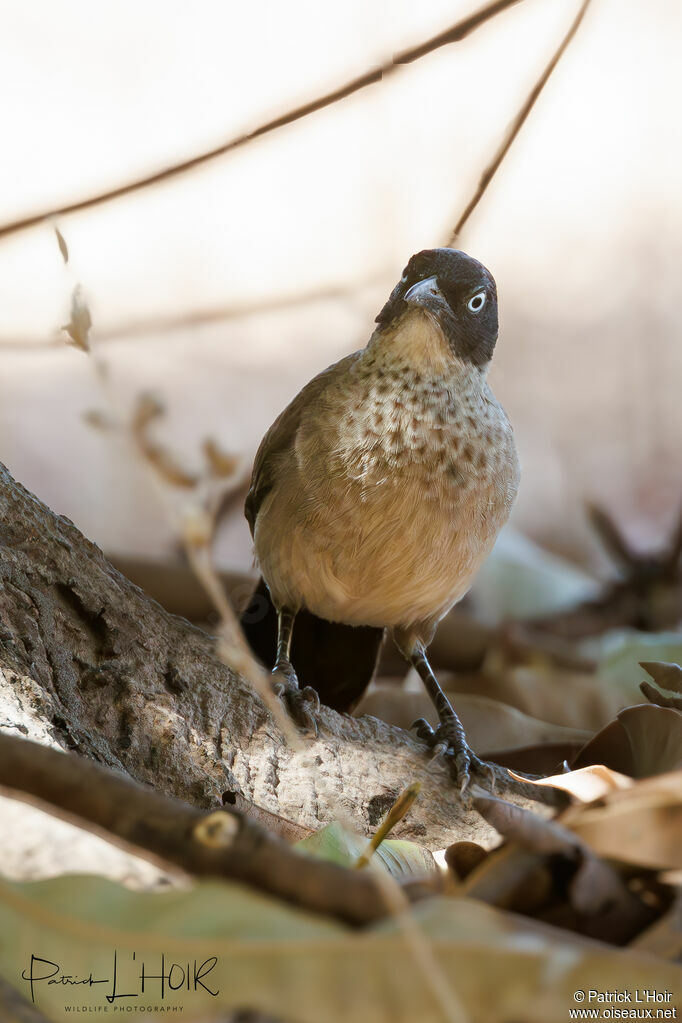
column 223, row 290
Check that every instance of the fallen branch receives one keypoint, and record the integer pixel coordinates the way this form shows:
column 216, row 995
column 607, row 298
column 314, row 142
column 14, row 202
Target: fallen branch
column 223, row 843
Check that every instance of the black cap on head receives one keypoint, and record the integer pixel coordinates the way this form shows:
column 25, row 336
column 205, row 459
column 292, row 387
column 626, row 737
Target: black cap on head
column 458, row 292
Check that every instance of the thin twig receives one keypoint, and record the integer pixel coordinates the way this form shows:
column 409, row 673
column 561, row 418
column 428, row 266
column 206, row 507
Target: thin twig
column 158, row 324
column 222, row 843
column 460, row 30
column 517, row 124
column 611, row 537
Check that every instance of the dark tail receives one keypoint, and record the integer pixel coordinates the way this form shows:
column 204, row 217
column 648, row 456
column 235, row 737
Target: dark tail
column 336, row 660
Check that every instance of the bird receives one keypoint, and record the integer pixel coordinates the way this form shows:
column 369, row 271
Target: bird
column 377, row 494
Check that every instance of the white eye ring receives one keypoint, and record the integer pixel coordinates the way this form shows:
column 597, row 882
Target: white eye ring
column 476, row 302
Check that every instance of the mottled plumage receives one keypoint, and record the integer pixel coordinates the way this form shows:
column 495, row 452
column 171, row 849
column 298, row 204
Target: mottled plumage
column 381, row 488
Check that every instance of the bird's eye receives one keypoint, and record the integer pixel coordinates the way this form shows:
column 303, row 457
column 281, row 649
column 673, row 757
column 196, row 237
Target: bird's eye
column 476, row 303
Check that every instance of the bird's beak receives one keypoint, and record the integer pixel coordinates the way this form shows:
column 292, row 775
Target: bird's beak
column 428, row 295
column 423, row 292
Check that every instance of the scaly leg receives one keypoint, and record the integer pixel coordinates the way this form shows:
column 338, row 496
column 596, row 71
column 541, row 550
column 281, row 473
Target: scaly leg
column 449, row 737
column 302, row 704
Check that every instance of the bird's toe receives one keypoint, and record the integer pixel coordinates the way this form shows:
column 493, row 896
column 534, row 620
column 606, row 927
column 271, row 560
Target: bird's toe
column 302, row 705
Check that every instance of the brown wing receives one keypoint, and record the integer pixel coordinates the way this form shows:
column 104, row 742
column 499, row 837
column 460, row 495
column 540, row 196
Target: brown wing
column 281, row 436
column 338, row 660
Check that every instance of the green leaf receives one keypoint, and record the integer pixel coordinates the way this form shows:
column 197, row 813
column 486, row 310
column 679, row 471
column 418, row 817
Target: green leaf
column 401, row 859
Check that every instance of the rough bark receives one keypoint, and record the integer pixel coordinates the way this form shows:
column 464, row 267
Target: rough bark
column 88, row 662
column 222, row 843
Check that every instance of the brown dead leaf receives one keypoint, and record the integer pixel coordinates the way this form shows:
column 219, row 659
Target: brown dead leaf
column 99, row 420
column 511, row 878
column 569, row 698
column 594, row 886
column 655, row 736
column 543, row 759
column 63, row 248
column 599, row 903
column 463, row 857
column 489, row 724
column 640, row 825
column 665, row 674
column 664, row 938
column 78, row 327
column 587, row 783
column 658, row 698
column 643, row 740
column 220, row 464
column 609, row 747
column 148, row 408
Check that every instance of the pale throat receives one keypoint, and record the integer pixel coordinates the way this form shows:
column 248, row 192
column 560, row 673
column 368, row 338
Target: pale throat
column 417, row 341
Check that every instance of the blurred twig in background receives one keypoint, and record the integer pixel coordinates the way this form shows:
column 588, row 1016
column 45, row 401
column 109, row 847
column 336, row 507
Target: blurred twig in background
column 200, row 317
column 647, row 597
column 517, row 124
column 454, row 34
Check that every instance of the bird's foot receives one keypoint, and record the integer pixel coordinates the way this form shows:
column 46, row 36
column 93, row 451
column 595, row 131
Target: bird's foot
column 302, row 704
column 448, row 740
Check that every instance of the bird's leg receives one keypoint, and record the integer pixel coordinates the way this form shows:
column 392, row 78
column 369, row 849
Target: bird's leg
column 302, row 704
column 449, row 737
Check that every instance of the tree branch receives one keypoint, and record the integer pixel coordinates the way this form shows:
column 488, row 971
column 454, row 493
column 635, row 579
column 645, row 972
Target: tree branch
column 455, row 33
column 223, row 843
column 89, row 662
column 517, row 124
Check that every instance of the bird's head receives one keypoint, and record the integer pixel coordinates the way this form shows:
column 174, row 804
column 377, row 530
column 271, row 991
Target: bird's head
column 457, row 292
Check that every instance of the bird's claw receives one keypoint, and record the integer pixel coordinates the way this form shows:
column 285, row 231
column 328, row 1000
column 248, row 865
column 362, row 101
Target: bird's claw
column 302, row 705
column 450, row 742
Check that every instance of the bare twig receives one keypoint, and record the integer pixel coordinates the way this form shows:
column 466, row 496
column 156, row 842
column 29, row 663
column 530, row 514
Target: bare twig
column 222, row 843
column 148, row 326
column 647, row 597
column 517, row 124
column 611, row 537
column 455, row 33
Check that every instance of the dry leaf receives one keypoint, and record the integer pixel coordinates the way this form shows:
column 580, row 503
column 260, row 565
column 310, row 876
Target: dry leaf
column 664, row 674
column 641, row 825
column 643, row 740
column 167, row 466
column 78, row 327
column 587, row 783
column 489, row 724
column 463, row 857
column 655, row 736
column 99, row 420
column 510, row 878
column 658, row 698
column 220, row 463
column 595, row 889
column 664, row 938
column 148, row 407
column 197, row 527
column 63, row 248
column 542, row 759
column 609, row 747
